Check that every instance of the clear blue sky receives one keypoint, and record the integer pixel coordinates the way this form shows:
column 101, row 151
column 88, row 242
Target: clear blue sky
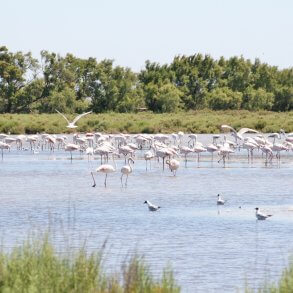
column 132, row 31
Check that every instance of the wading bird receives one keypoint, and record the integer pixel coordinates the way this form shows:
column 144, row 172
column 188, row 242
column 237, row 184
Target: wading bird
column 220, row 200
column 238, row 134
column 106, row 169
column 71, row 148
column 152, row 207
column 4, row 146
column 148, row 156
column 72, row 124
column 261, row 216
column 173, row 165
column 126, row 170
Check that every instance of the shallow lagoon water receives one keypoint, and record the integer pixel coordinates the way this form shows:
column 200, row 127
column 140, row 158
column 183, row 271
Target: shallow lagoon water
column 210, row 248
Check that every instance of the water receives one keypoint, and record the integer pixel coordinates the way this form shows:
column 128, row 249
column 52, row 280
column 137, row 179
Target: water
column 210, row 248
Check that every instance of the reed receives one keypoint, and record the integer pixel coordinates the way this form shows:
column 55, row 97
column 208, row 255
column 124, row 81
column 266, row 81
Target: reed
column 35, row 266
column 283, row 285
column 147, row 122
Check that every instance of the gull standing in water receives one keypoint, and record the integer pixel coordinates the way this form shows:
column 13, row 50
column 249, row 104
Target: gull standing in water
column 152, row 207
column 220, row 200
column 72, row 124
column 261, row 216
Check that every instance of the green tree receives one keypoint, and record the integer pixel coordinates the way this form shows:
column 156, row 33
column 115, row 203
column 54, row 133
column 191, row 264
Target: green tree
column 15, row 71
column 258, row 99
column 224, row 99
column 163, row 98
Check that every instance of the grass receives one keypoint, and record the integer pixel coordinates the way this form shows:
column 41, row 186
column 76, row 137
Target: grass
column 147, row 122
column 35, row 266
column 284, row 285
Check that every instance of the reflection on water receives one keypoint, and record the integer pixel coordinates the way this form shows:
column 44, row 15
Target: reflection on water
column 211, row 248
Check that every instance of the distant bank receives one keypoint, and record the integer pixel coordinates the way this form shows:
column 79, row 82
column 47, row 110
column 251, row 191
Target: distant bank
column 148, row 122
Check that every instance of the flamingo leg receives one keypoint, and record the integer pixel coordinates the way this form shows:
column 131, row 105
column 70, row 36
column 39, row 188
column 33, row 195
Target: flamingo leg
column 121, row 179
column 94, row 185
column 105, row 183
column 126, row 180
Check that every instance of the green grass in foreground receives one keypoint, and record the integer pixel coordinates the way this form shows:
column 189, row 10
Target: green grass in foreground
column 36, row 267
column 284, row 285
column 147, row 122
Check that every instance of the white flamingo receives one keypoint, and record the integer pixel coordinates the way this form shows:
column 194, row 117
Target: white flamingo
column 106, row 169
column 173, row 165
column 126, row 170
column 71, row 148
column 148, row 156
column 4, row 146
column 72, row 124
column 238, row 134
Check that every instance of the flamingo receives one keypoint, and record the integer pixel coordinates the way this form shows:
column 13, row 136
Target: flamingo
column 152, row 207
column 185, row 150
column 4, row 146
column 148, row 156
column 211, row 148
column 126, row 170
column 239, row 134
column 106, row 169
column 72, row 124
column 261, row 216
column 288, row 137
column 71, row 148
column 173, row 165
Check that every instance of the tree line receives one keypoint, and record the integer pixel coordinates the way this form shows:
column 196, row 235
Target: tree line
column 71, row 84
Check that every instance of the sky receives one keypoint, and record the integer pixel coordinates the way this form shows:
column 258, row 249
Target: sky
column 133, row 31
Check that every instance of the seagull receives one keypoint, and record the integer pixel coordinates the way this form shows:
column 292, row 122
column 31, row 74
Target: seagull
column 152, row 207
column 261, row 216
column 72, row 124
column 220, row 200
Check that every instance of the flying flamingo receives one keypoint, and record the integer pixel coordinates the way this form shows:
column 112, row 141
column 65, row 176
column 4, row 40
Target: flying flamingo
column 72, row 124
column 126, row 170
column 106, row 169
column 238, row 134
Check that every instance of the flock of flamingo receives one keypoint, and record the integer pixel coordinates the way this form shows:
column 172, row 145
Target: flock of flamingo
column 170, row 149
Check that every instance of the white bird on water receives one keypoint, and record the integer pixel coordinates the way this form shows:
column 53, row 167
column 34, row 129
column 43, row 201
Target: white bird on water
column 126, row 170
column 106, row 169
column 152, row 207
column 261, row 216
column 220, row 200
column 72, row 124
column 173, row 165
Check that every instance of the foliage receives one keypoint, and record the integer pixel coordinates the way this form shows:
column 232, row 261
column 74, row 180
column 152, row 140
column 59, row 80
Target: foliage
column 284, row 285
column 224, row 99
column 37, row 267
column 194, row 82
column 192, row 121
